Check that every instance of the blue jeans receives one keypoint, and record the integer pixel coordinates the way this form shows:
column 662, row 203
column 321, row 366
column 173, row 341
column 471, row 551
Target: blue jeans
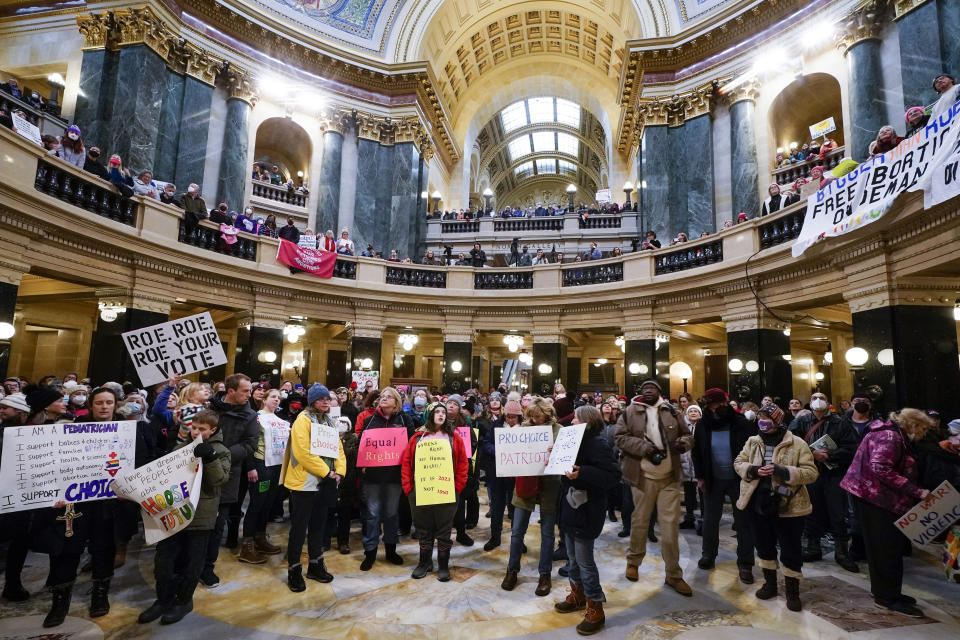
column 582, row 567
column 521, row 519
column 381, row 505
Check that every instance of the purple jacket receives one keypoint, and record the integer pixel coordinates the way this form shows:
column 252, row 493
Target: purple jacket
column 882, row 472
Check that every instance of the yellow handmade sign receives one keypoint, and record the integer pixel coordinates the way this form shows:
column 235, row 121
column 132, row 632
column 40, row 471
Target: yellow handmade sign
column 433, row 472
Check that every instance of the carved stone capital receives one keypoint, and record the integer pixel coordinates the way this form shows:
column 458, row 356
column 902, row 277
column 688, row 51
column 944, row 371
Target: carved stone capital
column 746, row 321
column 749, row 90
column 864, row 23
column 922, row 293
column 903, row 7
column 354, row 331
column 12, row 272
column 131, row 299
column 675, row 110
column 458, row 335
column 239, row 84
column 659, row 332
column 262, row 319
column 546, row 336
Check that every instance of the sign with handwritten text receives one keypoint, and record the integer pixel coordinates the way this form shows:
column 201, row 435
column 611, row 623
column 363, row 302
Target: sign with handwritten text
column 565, row 449
column 433, row 472
column 522, row 451
column 381, row 447
column 324, row 440
column 932, row 516
column 48, row 463
column 276, row 434
column 167, row 490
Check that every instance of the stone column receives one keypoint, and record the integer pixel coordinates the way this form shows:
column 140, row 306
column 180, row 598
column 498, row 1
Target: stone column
column 109, row 359
column 168, row 133
column 328, row 189
column 407, row 224
column 194, row 127
column 744, row 170
column 910, row 336
column 457, row 363
column 918, row 32
column 419, row 223
column 348, row 177
column 98, row 78
column 859, row 41
column 259, row 350
column 653, row 168
column 10, row 276
column 549, row 361
column 234, row 166
column 949, row 22
column 646, row 357
column 758, row 342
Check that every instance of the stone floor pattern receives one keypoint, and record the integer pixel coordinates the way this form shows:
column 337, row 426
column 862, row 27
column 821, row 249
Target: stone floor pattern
column 386, row 604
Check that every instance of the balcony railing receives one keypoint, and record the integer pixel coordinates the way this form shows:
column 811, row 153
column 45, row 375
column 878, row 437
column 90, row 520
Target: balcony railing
column 460, row 226
column 485, row 279
column 279, row 193
column 601, row 222
column 789, row 173
column 90, row 193
column 412, row 277
column 528, row 224
column 345, row 268
column 582, row 274
column 689, row 257
column 782, row 229
column 206, row 235
column 48, row 120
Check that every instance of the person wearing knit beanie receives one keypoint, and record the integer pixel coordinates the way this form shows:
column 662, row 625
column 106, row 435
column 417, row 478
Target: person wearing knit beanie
column 46, row 401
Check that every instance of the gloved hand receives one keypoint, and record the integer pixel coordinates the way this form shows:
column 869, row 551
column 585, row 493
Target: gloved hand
column 205, row 452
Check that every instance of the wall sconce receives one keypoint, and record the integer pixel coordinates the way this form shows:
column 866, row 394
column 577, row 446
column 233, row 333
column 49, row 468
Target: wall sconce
column 366, row 363
column 752, row 366
column 7, row 330
column 110, row 310
column 526, row 358
column 267, row 356
column 600, row 362
column 736, row 366
column 856, row 357
column 885, row 357
column 408, row 340
column 545, row 369
column 818, row 376
column 683, row 371
column 456, row 366
column 620, row 342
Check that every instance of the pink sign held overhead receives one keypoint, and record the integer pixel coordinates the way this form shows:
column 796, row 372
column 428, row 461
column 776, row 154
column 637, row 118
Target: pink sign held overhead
column 381, row 447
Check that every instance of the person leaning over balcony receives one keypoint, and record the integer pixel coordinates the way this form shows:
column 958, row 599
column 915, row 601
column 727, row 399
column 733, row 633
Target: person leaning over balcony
column 949, row 91
column 50, row 144
column 651, row 242
column 120, row 177
column 916, row 119
column 169, row 195
column 255, row 174
column 275, row 177
column 220, row 215
column 244, row 222
column 267, row 227
column 478, row 257
column 887, row 139
column 776, row 200
column 71, row 147
column 11, row 87
column 827, row 146
column 593, row 253
column 194, row 208
column 290, row 232
column 345, row 244
column 429, row 258
column 143, row 185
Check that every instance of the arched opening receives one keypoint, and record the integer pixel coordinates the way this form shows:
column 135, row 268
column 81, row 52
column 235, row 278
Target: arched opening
column 806, row 101
column 283, row 143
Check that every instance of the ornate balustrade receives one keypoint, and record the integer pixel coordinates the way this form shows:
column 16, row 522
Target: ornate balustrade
column 460, row 226
column 345, row 268
column 691, row 257
column 413, row 277
column 542, row 223
column 279, row 194
column 84, row 190
column 584, row 274
column 789, row 173
column 486, row 279
column 207, row 235
column 781, row 229
column 600, row 222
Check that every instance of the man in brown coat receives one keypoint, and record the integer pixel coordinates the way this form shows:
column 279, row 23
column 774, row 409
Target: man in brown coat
column 651, row 437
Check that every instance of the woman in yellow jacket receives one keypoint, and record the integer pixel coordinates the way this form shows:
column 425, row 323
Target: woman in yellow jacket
column 312, row 480
column 774, row 467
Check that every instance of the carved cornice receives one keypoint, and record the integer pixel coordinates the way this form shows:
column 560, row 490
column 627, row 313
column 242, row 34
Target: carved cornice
column 903, row 7
column 547, row 336
column 864, row 23
column 675, row 110
column 353, row 331
column 935, row 292
column 133, row 299
column 749, row 320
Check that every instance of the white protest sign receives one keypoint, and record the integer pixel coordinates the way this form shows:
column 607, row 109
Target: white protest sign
column 603, row 195
column 822, row 128
column 931, row 517
column 276, row 434
column 27, row 129
column 307, row 242
column 565, row 450
column 44, row 464
column 181, row 346
column 522, row 451
column 928, row 160
column 324, row 440
column 167, row 490
column 362, row 377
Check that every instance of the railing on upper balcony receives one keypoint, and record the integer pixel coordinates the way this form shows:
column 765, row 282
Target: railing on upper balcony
column 583, row 273
column 345, row 268
column 697, row 255
column 207, row 235
column 782, row 229
column 460, row 226
column 48, row 119
column 279, row 193
column 602, row 221
column 790, row 173
column 414, row 277
column 485, row 279
column 88, row 192
column 528, row 224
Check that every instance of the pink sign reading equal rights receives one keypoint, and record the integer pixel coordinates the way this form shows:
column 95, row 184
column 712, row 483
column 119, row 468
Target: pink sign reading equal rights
column 381, row 447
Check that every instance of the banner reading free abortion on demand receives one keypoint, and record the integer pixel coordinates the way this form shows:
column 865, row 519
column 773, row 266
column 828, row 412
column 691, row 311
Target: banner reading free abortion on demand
column 928, row 161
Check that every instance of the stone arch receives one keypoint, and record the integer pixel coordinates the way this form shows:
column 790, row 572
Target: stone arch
column 805, row 101
column 283, row 142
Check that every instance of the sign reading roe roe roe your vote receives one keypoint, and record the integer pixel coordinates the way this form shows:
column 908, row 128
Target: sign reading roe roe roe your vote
column 183, row 346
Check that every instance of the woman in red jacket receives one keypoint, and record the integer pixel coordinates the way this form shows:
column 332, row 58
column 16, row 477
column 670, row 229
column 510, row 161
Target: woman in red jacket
column 434, row 521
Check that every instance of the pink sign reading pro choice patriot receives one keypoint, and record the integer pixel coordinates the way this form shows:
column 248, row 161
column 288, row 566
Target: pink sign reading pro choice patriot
column 381, row 447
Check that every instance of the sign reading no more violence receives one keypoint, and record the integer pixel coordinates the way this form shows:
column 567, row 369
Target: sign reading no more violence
column 932, row 516
column 182, row 346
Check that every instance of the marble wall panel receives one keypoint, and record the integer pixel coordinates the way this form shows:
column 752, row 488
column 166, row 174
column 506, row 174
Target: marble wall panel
column 131, row 128
column 194, row 130
column 743, row 159
column 918, row 33
column 949, row 23
column 868, row 111
column 328, row 189
column 365, row 215
column 168, row 134
column 232, row 178
column 348, row 180
column 97, row 80
column 404, row 220
column 697, row 168
column 654, row 168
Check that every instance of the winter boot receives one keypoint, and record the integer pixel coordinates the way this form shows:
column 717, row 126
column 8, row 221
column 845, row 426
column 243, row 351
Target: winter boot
column 318, row 571
column 769, row 588
column 249, row 553
column 593, row 619
column 177, row 612
column 791, row 587
column 99, row 604
column 812, row 551
column 60, row 606
column 425, row 565
column 295, row 579
column 262, row 544
column 574, row 601
column 443, row 565
column 842, row 556
column 120, row 555
column 392, row 556
column 369, row 557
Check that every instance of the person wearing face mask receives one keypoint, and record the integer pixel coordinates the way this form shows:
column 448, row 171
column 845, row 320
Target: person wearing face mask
column 775, row 467
column 499, row 489
column 836, row 442
column 883, row 482
column 92, row 164
column 245, row 222
column 194, row 208
column 220, row 214
column 71, row 147
column 720, row 435
column 416, row 407
column 78, row 401
column 169, row 195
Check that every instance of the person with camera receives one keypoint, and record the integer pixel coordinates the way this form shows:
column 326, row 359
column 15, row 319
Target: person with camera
column 651, row 437
column 774, row 467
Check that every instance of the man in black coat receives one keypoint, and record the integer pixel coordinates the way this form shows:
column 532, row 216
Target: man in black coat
column 91, row 164
column 241, row 431
column 719, row 437
column 828, row 499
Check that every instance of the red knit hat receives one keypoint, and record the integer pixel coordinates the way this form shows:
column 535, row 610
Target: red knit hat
column 715, row 395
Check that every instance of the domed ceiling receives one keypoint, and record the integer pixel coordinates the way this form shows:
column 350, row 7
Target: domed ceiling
column 365, row 25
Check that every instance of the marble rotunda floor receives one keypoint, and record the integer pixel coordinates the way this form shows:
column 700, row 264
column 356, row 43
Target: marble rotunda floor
column 386, row 604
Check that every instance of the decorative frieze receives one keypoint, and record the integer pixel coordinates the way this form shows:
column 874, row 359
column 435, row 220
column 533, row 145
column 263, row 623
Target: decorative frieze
column 864, row 23
column 903, row 7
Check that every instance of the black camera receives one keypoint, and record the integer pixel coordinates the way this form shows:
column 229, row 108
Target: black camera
column 657, row 456
column 783, row 490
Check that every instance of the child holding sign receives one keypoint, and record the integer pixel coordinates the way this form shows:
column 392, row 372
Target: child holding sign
column 312, row 480
column 433, row 473
column 175, row 587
